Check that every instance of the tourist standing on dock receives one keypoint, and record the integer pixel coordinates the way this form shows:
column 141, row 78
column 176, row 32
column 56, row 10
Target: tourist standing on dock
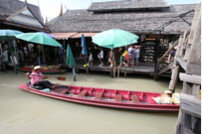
column 137, row 55
column 60, row 55
column 110, row 57
column 101, row 57
column 122, row 61
column 131, row 55
column 90, row 59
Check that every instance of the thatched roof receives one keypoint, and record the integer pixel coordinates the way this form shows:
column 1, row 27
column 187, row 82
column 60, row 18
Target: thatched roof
column 9, row 7
column 137, row 22
column 128, row 5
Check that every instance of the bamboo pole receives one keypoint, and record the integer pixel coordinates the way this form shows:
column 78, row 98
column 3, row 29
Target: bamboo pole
column 12, row 57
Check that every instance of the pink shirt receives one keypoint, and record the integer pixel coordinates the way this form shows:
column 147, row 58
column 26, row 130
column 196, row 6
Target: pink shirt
column 35, row 77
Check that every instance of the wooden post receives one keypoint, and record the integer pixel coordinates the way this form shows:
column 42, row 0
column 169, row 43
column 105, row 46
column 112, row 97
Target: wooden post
column 118, row 72
column 114, row 65
column 12, row 56
column 44, row 58
column 74, row 73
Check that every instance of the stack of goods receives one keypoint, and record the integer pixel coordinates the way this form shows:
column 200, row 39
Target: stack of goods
column 147, row 52
column 51, row 67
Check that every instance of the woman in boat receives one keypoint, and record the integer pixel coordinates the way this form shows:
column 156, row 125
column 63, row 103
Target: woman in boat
column 36, row 78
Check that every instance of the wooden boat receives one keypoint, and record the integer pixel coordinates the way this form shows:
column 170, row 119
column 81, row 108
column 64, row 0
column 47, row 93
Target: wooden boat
column 45, row 70
column 132, row 100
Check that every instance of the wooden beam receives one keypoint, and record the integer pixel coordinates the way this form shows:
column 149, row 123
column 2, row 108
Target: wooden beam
column 174, row 77
column 196, row 14
column 195, row 50
column 190, row 104
column 166, row 68
column 196, row 79
column 182, row 62
column 166, row 53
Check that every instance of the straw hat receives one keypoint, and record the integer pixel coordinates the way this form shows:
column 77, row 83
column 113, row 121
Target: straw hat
column 168, row 92
column 37, row 67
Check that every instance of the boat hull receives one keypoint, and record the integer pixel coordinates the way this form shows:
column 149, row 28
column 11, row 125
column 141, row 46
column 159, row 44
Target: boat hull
column 105, row 103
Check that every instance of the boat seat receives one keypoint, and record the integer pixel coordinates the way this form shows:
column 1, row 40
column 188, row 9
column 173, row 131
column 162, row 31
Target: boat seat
column 135, row 98
column 99, row 95
column 64, row 91
column 118, row 97
column 83, row 93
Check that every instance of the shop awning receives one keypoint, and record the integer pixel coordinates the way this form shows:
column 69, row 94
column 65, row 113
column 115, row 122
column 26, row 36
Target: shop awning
column 78, row 35
column 63, row 36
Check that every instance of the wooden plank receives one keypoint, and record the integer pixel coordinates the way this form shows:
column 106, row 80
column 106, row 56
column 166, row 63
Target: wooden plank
column 190, row 78
column 168, row 67
column 195, row 50
column 190, row 104
column 99, row 95
column 197, row 12
column 179, row 46
column 185, row 130
column 193, row 68
column 83, row 93
column 174, row 77
column 196, row 89
column 187, row 88
column 118, row 97
column 135, row 98
column 182, row 63
column 167, row 52
column 118, row 72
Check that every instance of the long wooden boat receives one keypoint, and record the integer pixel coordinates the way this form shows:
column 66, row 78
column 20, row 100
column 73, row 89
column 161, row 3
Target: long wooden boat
column 43, row 70
column 133, row 100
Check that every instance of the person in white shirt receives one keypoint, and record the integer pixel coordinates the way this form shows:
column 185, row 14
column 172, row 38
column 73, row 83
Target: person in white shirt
column 131, row 52
column 101, row 57
column 137, row 55
column 90, row 59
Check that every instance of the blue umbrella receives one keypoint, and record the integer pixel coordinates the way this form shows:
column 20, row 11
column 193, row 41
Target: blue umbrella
column 8, row 34
column 83, row 45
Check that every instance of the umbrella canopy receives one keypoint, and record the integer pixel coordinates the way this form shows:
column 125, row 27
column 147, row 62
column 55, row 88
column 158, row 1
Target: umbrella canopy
column 47, row 34
column 6, row 35
column 114, row 38
column 70, row 58
column 83, row 45
column 39, row 38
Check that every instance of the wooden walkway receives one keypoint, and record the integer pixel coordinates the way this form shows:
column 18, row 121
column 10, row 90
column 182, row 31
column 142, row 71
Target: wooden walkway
column 136, row 69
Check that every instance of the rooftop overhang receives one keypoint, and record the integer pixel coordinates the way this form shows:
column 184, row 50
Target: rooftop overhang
column 24, row 26
column 71, row 35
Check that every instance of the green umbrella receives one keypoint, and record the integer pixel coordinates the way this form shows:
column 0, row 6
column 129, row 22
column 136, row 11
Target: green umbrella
column 114, row 38
column 70, row 61
column 70, row 58
column 39, row 38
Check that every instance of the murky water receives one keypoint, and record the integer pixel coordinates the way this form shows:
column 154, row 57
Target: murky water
column 22, row 112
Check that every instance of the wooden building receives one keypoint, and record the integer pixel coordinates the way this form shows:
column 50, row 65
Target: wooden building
column 188, row 58
column 22, row 16
column 156, row 22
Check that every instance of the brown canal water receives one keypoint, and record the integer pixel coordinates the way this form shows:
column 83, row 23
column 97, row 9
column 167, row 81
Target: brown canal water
column 22, row 112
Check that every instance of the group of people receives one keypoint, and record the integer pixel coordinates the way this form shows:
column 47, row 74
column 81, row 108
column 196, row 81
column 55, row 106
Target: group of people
column 127, row 57
column 32, row 54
